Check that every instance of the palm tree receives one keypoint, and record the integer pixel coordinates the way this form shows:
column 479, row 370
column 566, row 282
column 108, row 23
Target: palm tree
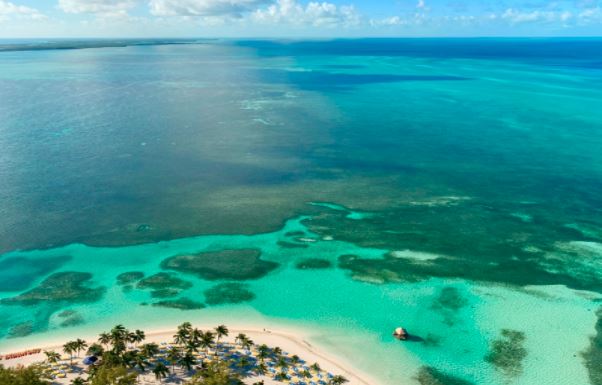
column 52, row 357
column 139, row 361
column 247, row 343
column 260, row 369
column 129, row 358
column 173, row 356
column 263, row 352
column 185, row 326
column 306, row 374
column 119, row 338
column 195, row 335
column 282, row 364
column 119, row 329
column 277, row 351
column 186, row 361
column 181, row 337
column 69, row 348
column 150, row 350
column 316, row 367
column 243, row 362
column 104, row 339
column 295, row 359
column 130, row 337
column 95, row 350
column 78, row 381
column 240, row 338
column 79, row 345
column 221, row 331
column 138, row 336
column 192, row 346
column 338, row 380
column 207, row 341
column 160, row 371
column 281, row 376
column 110, row 358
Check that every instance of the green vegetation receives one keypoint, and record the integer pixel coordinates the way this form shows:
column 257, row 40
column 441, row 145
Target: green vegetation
column 230, row 292
column 73, row 347
column 431, row 376
column 200, row 355
column 240, row 264
column 180, row 303
column 507, row 353
column 113, row 375
column 31, row 375
column 313, row 263
column 68, row 286
column 593, row 355
column 216, row 373
column 129, row 277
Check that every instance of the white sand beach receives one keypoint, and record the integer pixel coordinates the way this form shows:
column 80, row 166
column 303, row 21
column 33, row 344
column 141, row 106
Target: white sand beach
column 288, row 340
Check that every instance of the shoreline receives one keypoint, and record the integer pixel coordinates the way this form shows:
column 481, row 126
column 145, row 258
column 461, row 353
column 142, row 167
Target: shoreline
column 288, row 339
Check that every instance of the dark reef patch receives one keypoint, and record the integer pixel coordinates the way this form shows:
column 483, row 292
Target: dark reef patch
column 161, row 281
column 181, row 304
column 509, row 271
column 230, row 292
column 295, row 234
column 292, row 245
column 69, row 286
column 66, row 313
column 448, row 303
column 313, row 263
column 165, row 293
column 129, row 277
column 73, row 321
column 22, row 329
column 238, row 264
column 449, row 298
column 476, row 240
column 593, row 355
column 430, row 376
column 17, row 273
column 70, row 318
column 507, row 353
column 432, row 340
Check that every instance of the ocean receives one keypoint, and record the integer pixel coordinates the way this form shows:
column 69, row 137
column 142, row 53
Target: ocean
column 343, row 187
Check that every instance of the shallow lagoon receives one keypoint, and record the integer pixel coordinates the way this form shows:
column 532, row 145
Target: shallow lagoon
column 455, row 321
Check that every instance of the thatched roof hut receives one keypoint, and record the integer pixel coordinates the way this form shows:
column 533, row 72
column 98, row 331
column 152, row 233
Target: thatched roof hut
column 400, row 334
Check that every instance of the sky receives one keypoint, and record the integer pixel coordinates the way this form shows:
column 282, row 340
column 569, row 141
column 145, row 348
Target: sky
column 298, row 18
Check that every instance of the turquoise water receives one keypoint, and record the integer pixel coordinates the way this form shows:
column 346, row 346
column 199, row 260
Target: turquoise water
column 452, row 185
column 345, row 315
